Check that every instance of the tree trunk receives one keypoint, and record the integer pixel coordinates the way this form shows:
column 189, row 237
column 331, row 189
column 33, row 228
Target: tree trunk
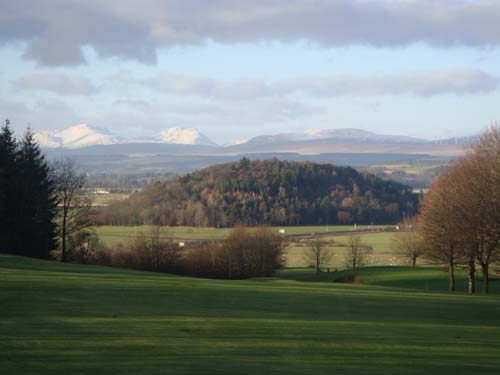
column 486, row 279
column 414, row 261
column 471, row 273
column 63, row 235
column 452, row 278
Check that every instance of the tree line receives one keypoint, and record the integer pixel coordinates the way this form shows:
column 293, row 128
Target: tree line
column 265, row 192
column 42, row 211
column 459, row 220
column 243, row 254
column 28, row 202
column 460, row 216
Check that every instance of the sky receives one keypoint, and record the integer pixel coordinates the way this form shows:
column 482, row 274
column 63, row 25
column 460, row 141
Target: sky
column 238, row 69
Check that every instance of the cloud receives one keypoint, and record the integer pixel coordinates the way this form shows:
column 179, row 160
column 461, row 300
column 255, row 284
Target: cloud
column 56, row 83
column 56, row 30
column 209, row 88
column 421, row 84
column 40, row 115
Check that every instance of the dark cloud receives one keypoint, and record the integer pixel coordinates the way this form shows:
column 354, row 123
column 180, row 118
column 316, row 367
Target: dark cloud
column 56, row 30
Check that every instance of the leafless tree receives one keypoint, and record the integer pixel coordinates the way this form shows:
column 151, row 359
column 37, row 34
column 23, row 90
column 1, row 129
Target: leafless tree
column 481, row 196
column 84, row 246
column 356, row 253
column 461, row 213
column 155, row 250
column 74, row 207
column 440, row 239
column 407, row 241
column 318, row 254
column 243, row 254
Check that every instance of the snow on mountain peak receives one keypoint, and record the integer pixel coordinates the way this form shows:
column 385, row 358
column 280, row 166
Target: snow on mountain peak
column 185, row 136
column 76, row 136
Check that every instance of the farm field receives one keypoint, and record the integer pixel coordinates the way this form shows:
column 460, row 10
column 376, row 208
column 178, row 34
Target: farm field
column 106, row 199
column 74, row 319
column 383, row 253
column 116, row 234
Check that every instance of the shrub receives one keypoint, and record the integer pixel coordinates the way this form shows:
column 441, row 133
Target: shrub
column 244, row 254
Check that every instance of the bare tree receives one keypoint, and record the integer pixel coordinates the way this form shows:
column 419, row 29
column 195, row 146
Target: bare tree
column 461, row 213
column 84, row 246
column 318, row 254
column 155, row 251
column 243, row 254
column 74, row 207
column 357, row 252
column 481, row 196
column 441, row 239
column 407, row 242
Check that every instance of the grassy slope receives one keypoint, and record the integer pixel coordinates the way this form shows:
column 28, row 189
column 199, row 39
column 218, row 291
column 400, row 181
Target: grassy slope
column 71, row 319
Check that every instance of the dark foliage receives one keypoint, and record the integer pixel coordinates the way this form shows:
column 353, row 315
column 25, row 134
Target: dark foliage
column 266, row 192
column 28, row 203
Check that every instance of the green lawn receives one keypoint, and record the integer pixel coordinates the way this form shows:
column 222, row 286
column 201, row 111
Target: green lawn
column 418, row 278
column 73, row 319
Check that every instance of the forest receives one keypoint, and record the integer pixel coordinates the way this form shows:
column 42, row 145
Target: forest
column 265, row 192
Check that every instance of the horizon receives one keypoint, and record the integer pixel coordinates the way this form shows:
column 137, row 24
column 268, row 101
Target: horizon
column 162, row 138
column 236, row 71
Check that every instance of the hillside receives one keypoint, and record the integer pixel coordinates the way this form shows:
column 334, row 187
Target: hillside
column 266, row 192
column 73, row 319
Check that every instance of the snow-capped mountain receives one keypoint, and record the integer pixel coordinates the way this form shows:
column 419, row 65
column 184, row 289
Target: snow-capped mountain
column 77, row 136
column 185, row 136
column 348, row 135
column 358, row 135
column 83, row 135
column 190, row 140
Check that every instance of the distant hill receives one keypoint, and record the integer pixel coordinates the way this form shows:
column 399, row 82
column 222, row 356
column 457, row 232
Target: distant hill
column 349, row 141
column 312, row 141
column 182, row 150
column 266, row 192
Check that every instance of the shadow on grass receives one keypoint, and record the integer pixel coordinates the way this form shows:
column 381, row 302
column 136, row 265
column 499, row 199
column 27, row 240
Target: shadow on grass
column 419, row 278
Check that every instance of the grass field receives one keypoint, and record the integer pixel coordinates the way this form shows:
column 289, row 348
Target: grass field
column 116, row 234
column 383, row 252
column 106, row 199
column 73, row 319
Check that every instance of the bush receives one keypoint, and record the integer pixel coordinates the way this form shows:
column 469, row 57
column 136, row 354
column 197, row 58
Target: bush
column 244, row 254
column 150, row 252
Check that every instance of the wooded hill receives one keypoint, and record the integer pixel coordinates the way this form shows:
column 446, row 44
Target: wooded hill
column 265, row 192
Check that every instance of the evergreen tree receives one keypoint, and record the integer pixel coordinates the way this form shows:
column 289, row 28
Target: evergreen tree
column 35, row 229
column 8, row 191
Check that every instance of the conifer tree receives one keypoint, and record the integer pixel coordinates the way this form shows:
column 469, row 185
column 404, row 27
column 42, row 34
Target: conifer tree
column 8, row 194
column 35, row 229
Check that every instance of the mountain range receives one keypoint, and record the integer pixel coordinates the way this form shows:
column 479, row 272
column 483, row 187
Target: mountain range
column 83, row 135
column 191, row 141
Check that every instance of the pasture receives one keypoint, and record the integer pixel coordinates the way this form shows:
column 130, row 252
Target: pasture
column 117, row 234
column 383, row 254
column 75, row 319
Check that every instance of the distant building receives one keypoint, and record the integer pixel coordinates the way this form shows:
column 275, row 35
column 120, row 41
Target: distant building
column 101, row 191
